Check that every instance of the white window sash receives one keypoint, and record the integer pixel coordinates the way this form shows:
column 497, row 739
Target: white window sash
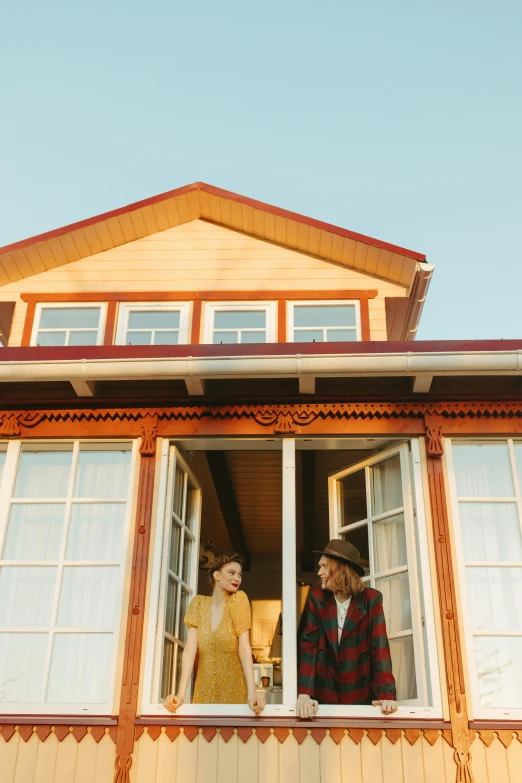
column 293, row 337
column 101, row 306
column 211, row 308
column 118, row 630
column 124, row 311
column 477, row 712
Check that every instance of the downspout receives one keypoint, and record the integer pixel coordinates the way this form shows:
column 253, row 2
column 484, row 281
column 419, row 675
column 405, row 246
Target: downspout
column 417, row 298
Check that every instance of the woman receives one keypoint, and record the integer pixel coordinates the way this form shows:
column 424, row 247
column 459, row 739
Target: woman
column 219, row 632
column 345, row 655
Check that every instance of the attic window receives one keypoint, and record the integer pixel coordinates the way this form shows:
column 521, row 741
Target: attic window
column 324, row 322
column 153, row 324
column 245, row 322
column 63, row 324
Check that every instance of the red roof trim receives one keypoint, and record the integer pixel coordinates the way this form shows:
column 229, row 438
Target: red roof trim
column 222, row 194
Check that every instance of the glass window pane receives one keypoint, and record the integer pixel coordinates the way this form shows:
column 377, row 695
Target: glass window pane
column 167, row 668
column 359, row 538
column 483, row 470
column 22, row 661
column 494, row 598
column 308, row 336
column 179, row 657
column 43, row 474
column 80, row 668
column 138, row 338
column 345, row 335
column 185, row 600
column 237, row 319
column 518, row 461
column 190, row 513
column 95, row 531
column 69, row 318
column 253, row 337
column 179, row 489
column 171, row 606
column 88, row 597
column 34, row 531
column 174, row 551
column 27, row 596
column 51, row 338
column 102, row 474
column 154, row 319
column 188, row 546
column 403, row 665
column 83, row 338
column 324, row 315
column 499, row 671
column 396, row 601
column 490, row 531
column 166, row 338
column 389, row 541
column 225, row 338
column 2, row 463
column 386, row 485
column 353, row 498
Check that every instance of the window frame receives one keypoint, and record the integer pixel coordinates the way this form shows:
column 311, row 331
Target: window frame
column 126, row 308
column 478, row 712
column 101, row 306
column 292, row 304
column 211, row 308
column 430, row 669
column 7, row 485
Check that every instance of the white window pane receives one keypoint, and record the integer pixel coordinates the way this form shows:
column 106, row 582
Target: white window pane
column 34, row 531
column 83, row 338
column 190, row 513
column 170, row 607
column 324, row 315
column 69, row 318
column 518, row 460
column 154, row 319
column 22, row 661
column 167, row 668
column 483, row 470
column 2, row 463
column 490, row 531
column 403, row 666
column 386, row 485
column 225, row 337
column 188, row 546
column 389, row 541
column 51, row 338
column 309, row 336
column 102, row 474
column 43, row 474
column 26, row 596
column 494, row 595
column 345, row 335
column 184, row 604
column 88, row 597
column 353, row 498
column 396, row 601
column 166, row 338
column 174, row 551
column 179, row 490
column 95, row 531
column 240, row 319
column 499, row 671
column 80, row 668
column 253, row 337
column 138, row 338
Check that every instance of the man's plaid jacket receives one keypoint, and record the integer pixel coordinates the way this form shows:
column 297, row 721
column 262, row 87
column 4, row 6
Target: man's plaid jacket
column 356, row 670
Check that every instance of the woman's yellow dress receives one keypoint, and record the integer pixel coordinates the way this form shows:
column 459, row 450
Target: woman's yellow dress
column 220, row 678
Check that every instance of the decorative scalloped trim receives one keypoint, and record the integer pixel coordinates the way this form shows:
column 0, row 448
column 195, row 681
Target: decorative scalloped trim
column 43, row 731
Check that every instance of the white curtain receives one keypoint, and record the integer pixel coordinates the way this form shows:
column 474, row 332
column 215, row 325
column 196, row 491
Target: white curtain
column 499, row 670
column 386, row 485
column 43, row 474
column 22, row 661
column 34, row 531
column 26, row 596
column 483, row 470
column 389, row 542
column 396, row 601
column 80, row 668
column 403, row 663
column 95, row 531
column 102, row 474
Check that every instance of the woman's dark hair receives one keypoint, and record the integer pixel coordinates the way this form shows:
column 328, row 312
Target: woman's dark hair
column 219, row 563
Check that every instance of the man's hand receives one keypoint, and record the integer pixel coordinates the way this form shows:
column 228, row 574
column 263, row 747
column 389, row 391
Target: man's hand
column 306, row 707
column 256, row 702
column 173, row 702
column 387, row 706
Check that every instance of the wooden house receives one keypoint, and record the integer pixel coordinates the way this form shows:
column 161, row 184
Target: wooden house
column 200, row 372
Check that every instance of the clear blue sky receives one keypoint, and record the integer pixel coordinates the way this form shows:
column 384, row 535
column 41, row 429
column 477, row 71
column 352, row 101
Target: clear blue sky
column 402, row 120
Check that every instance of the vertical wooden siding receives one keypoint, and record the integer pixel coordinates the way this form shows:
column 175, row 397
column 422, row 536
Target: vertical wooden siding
column 202, row 256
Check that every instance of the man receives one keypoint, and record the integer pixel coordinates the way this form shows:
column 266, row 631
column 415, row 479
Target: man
column 345, row 656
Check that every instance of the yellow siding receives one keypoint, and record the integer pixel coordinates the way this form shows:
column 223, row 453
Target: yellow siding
column 200, row 256
column 182, row 761
column 57, row 762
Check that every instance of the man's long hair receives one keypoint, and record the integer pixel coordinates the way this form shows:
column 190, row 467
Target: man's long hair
column 343, row 579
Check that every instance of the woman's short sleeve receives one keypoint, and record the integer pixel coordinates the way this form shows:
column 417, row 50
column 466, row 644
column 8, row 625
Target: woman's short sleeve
column 240, row 612
column 192, row 615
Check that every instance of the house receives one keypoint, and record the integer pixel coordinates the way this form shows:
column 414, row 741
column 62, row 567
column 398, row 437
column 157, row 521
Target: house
column 200, row 372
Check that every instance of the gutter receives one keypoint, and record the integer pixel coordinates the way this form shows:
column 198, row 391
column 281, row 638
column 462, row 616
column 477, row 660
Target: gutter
column 419, row 291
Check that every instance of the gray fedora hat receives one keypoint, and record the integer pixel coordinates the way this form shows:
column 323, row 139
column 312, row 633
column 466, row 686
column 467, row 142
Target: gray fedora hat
column 343, row 551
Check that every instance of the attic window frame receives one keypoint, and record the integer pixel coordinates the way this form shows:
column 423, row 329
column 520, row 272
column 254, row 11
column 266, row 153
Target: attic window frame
column 291, row 334
column 126, row 308
column 41, row 306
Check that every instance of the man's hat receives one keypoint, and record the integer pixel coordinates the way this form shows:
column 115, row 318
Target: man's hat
column 343, row 551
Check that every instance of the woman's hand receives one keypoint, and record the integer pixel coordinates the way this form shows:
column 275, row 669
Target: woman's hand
column 387, row 706
column 306, row 707
column 256, row 702
column 173, row 702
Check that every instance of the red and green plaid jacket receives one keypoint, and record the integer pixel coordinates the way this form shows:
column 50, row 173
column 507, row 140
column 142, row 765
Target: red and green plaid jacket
column 358, row 669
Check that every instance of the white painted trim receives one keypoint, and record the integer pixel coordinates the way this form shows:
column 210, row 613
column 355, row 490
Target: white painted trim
column 102, row 306
column 289, row 648
column 291, row 305
column 210, row 308
column 125, row 308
